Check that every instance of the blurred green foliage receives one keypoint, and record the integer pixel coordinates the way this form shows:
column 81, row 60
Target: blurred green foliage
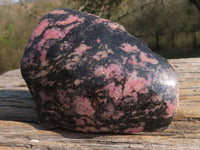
column 171, row 28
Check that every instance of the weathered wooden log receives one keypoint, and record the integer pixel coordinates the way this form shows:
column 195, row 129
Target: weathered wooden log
column 19, row 128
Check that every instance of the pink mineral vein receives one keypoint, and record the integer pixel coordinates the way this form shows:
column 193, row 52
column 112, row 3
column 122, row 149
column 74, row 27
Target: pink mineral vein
column 115, row 92
column 118, row 115
column 110, row 72
column 65, row 46
column 100, row 21
column 44, row 62
column 83, row 106
column 134, row 84
column 134, row 130
column 81, row 49
column 133, row 60
column 98, row 41
column 28, row 61
column 44, row 97
column 79, row 121
column 77, row 82
column 55, row 33
column 69, row 20
column 124, row 60
column 113, row 26
column 63, row 96
column 109, row 111
column 171, row 108
column 100, row 55
column 40, row 28
column 147, row 59
column 59, row 12
column 129, row 48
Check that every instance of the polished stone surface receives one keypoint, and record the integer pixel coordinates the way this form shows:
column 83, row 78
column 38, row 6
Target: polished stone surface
column 88, row 74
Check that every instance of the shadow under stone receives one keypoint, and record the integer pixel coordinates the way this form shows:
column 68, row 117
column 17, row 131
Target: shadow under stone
column 17, row 105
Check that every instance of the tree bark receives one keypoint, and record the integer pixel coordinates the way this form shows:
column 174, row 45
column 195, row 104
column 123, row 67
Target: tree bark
column 196, row 3
column 194, row 39
column 157, row 41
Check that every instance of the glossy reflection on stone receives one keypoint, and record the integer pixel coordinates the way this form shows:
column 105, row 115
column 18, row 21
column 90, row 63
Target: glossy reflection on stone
column 88, row 74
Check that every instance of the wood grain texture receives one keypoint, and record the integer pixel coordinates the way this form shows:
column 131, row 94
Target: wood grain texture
column 19, row 128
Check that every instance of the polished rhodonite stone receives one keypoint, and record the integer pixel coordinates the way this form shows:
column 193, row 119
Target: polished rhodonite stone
column 88, row 74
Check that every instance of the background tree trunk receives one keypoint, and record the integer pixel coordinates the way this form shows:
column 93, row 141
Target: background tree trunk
column 157, row 41
column 194, row 39
column 196, row 3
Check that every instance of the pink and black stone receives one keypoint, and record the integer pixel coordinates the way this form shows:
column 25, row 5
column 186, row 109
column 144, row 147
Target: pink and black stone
column 88, row 74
